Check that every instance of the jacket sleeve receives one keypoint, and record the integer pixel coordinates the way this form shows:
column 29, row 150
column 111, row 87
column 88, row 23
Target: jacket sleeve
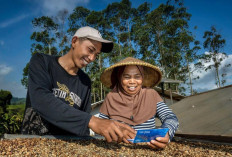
column 48, row 106
column 167, row 118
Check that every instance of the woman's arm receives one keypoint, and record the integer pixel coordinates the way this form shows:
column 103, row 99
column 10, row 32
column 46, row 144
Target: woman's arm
column 167, row 118
column 103, row 116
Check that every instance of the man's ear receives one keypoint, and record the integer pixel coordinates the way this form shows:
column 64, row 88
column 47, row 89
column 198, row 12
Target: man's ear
column 74, row 40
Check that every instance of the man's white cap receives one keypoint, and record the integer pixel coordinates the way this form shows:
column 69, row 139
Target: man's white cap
column 91, row 33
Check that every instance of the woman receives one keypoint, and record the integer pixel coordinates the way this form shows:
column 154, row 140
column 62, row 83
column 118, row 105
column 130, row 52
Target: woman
column 134, row 102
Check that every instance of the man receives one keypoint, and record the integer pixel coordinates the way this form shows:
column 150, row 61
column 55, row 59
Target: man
column 58, row 98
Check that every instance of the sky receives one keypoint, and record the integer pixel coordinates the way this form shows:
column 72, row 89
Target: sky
column 16, row 29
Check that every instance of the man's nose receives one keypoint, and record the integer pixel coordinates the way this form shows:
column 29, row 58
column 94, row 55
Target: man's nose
column 92, row 57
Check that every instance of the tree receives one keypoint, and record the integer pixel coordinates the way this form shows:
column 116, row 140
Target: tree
column 44, row 37
column 224, row 73
column 214, row 43
column 157, row 25
column 61, row 34
column 77, row 19
column 142, row 39
column 190, row 56
column 24, row 80
column 166, row 41
column 11, row 118
column 119, row 15
column 46, row 34
column 5, row 97
column 176, row 25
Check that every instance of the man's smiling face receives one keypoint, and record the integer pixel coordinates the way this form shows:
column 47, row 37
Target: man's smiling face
column 85, row 51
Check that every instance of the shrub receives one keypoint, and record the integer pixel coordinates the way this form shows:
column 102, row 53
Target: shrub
column 10, row 121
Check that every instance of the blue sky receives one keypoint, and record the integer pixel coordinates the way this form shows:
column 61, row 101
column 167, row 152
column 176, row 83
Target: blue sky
column 16, row 29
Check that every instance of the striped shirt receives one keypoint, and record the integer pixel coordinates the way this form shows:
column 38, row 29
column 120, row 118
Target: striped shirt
column 163, row 113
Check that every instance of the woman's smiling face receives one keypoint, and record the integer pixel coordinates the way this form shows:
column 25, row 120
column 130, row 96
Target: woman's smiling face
column 131, row 79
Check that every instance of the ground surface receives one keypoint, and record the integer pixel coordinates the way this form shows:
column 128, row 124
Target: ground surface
column 57, row 147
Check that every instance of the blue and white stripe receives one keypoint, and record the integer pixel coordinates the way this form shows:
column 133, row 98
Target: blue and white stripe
column 166, row 116
column 149, row 124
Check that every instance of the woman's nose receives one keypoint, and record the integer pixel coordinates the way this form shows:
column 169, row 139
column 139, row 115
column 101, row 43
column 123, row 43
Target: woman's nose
column 132, row 80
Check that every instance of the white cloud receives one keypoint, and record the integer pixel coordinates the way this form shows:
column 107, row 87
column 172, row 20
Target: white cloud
column 12, row 21
column 207, row 78
column 4, row 70
column 51, row 7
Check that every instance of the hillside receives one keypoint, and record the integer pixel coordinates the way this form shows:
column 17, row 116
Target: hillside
column 18, row 101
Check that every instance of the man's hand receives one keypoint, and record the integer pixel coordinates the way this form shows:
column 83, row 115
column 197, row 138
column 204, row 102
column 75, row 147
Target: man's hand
column 127, row 134
column 160, row 142
column 110, row 129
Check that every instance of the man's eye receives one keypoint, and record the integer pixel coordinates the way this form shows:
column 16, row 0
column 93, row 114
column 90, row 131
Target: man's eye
column 90, row 50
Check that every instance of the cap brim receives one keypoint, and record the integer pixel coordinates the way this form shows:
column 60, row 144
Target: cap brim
column 107, row 45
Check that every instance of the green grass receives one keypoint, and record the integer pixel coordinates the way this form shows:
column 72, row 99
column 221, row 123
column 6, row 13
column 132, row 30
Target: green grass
column 19, row 108
column 16, row 109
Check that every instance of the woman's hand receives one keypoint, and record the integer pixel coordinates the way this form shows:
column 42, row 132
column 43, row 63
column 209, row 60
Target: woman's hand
column 160, row 142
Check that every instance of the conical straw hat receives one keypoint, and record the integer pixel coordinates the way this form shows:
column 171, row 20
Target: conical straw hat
column 152, row 74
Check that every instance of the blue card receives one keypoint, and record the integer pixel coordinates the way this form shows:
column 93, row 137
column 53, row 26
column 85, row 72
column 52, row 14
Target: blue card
column 148, row 135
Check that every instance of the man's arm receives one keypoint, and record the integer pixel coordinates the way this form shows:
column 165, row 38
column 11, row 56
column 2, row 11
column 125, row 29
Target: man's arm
column 48, row 106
